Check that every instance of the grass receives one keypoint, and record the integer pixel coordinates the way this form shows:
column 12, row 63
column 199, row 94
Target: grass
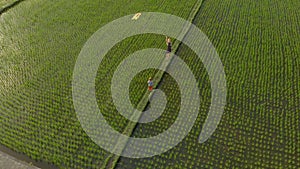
column 38, row 51
column 111, row 162
column 258, row 44
column 4, row 3
column 259, row 127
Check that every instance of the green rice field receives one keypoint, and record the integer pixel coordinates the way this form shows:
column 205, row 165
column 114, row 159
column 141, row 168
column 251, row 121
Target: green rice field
column 258, row 43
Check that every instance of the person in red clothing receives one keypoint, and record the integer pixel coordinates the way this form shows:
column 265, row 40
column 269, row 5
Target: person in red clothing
column 150, row 84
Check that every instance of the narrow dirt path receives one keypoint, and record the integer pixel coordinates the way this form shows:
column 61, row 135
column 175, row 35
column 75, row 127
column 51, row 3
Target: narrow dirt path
column 10, row 162
column 112, row 161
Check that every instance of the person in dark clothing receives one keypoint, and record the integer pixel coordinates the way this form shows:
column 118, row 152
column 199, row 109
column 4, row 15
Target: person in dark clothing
column 169, row 46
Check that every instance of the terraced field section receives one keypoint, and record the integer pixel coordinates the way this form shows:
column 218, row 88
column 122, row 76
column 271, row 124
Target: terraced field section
column 259, row 45
column 40, row 42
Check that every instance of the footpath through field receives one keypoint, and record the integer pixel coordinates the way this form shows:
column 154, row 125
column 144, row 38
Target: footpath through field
column 9, row 162
column 112, row 160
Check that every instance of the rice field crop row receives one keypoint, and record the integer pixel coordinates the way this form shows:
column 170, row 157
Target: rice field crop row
column 258, row 43
column 40, row 42
column 111, row 162
column 6, row 4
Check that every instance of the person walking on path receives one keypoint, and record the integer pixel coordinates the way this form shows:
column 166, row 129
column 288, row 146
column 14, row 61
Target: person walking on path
column 169, row 46
column 150, row 84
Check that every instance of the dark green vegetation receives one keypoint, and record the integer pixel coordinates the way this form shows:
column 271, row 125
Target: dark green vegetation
column 40, row 42
column 258, row 43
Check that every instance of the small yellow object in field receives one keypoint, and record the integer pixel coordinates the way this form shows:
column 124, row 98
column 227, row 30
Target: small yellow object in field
column 136, row 16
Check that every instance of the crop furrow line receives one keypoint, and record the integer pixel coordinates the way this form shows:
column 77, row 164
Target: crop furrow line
column 9, row 6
